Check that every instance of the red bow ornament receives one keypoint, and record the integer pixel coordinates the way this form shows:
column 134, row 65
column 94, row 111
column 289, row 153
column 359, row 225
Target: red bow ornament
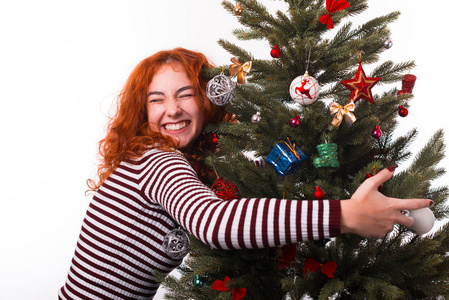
column 332, row 6
column 238, row 294
column 221, row 286
column 311, row 265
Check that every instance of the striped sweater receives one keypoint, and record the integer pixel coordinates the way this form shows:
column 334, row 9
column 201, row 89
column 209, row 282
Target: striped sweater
column 119, row 246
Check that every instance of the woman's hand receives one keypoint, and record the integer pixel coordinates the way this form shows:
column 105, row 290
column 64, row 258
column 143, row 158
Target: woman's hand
column 371, row 214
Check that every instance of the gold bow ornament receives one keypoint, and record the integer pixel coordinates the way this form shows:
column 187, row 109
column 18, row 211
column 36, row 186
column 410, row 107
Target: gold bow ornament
column 240, row 69
column 342, row 112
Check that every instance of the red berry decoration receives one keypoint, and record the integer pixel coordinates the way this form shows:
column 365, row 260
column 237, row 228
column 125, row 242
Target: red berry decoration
column 275, row 52
column 295, row 122
column 377, row 133
column 225, row 189
column 319, row 194
column 403, row 112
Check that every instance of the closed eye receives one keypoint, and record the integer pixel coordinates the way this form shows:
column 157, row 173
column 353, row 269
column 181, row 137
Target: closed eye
column 155, row 100
column 186, row 96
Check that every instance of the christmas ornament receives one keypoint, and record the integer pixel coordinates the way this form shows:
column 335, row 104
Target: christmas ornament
column 240, row 70
column 221, row 90
column 237, row 293
column 388, row 43
column 225, row 189
column 328, row 156
column 319, row 194
column 408, row 82
column 403, row 112
column 238, row 9
column 360, row 86
column 198, row 282
column 295, row 122
column 332, row 6
column 423, row 220
column 221, row 285
column 176, row 244
column 215, row 139
column 342, row 112
column 285, row 158
column 285, row 256
column 304, row 89
column 311, row 265
column 275, row 52
column 377, row 133
column 256, row 118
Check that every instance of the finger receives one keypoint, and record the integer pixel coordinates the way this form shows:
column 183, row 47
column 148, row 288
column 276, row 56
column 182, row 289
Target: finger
column 405, row 220
column 411, row 204
column 383, row 175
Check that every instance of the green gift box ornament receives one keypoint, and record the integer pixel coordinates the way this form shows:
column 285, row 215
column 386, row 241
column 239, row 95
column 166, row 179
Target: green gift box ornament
column 328, row 156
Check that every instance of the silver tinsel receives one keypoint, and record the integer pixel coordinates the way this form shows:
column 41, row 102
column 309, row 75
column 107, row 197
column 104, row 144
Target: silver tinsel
column 176, row 244
column 221, row 90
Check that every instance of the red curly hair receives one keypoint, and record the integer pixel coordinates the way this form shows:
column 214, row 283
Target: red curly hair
column 128, row 132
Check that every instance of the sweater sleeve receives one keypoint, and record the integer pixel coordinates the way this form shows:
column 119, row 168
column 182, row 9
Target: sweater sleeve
column 169, row 180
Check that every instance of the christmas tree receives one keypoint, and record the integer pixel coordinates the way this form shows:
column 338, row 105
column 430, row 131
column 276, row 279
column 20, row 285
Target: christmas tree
column 314, row 99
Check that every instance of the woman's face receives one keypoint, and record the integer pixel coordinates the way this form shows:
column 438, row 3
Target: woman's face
column 172, row 109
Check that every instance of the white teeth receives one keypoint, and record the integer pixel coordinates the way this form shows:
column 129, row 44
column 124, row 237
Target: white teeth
column 176, row 126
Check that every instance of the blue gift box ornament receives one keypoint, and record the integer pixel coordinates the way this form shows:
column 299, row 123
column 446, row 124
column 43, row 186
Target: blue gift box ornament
column 286, row 158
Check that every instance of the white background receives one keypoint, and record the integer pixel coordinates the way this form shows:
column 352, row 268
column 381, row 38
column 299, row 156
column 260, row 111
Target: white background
column 63, row 62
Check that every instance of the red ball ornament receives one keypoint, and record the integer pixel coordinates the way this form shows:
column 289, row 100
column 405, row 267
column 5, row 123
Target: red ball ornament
column 225, row 189
column 275, row 52
column 215, row 139
column 403, row 112
column 377, row 133
column 295, row 122
column 319, row 194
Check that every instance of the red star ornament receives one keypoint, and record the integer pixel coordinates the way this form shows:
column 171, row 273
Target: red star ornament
column 360, row 86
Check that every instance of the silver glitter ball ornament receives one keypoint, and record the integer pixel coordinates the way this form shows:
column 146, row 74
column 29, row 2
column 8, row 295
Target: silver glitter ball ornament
column 388, row 43
column 221, row 90
column 176, row 244
column 256, row 118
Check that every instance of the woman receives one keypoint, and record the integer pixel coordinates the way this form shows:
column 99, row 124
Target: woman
column 146, row 188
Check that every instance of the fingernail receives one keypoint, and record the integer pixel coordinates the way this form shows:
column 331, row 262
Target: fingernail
column 431, row 203
column 392, row 168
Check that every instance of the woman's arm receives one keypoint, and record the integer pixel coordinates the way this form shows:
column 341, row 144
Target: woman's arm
column 170, row 181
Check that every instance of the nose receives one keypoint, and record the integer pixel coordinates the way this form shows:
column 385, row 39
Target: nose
column 173, row 108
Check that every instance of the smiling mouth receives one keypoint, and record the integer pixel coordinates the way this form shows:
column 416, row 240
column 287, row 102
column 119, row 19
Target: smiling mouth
column 176, row 126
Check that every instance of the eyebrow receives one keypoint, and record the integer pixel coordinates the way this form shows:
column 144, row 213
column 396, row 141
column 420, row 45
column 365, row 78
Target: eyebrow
column 180, row 90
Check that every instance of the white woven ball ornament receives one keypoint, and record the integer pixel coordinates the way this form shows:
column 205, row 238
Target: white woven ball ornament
column 423, row 220
column 304, row 89
column 221, row 90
